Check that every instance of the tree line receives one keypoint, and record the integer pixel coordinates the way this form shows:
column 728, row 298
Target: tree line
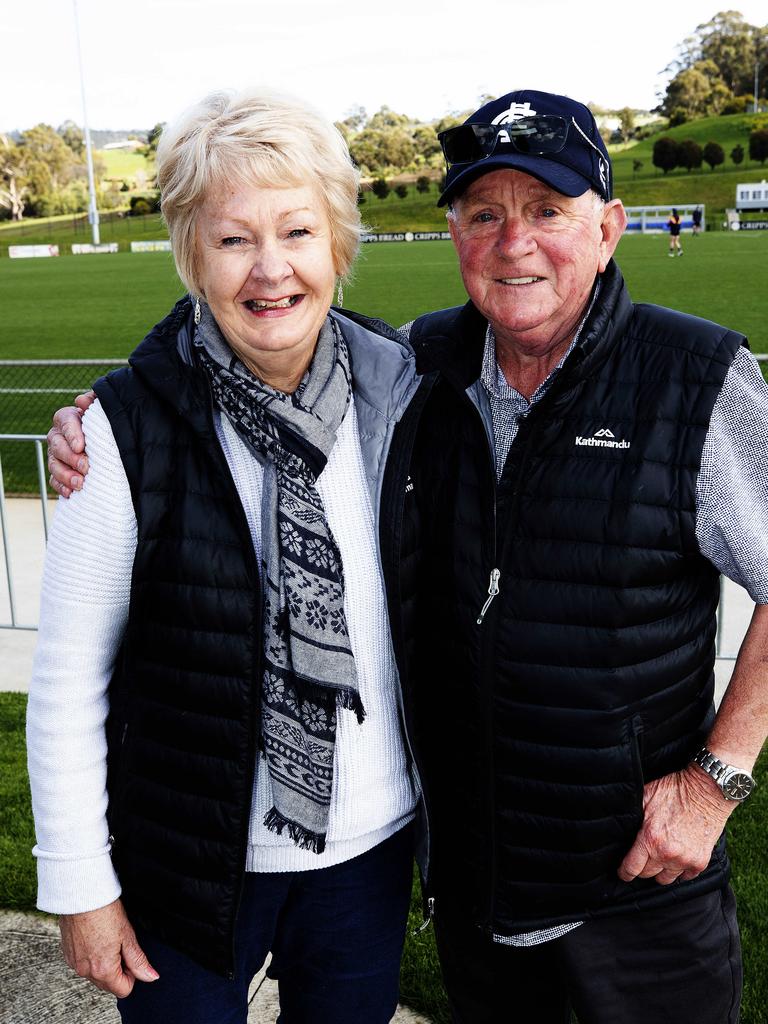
column 668, row 153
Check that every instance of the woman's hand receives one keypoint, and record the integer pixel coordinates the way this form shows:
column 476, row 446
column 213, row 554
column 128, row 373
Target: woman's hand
column 66, row 444
column 101, row 945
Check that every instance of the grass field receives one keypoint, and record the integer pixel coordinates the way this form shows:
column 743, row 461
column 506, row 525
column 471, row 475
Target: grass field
column 99, row 307
column 122, row 163
column 420, row 979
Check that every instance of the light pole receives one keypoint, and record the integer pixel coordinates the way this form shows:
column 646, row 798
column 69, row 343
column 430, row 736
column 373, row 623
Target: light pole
column 93, row 213
column 757, row 66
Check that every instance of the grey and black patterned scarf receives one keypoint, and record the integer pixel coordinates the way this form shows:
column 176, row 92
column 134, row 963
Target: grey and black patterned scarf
column 309, row 667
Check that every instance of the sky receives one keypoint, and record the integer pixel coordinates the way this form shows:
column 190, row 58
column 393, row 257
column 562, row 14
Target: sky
column 146, row 60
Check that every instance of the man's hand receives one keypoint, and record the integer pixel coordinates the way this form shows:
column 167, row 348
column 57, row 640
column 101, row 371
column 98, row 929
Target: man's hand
column 684, row 816
column 66, row 444
column 101, row 945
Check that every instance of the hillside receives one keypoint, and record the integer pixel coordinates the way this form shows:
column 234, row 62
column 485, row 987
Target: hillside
column 717, row 189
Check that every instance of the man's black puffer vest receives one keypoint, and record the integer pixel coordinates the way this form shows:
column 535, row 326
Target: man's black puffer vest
column 182, row 749
column 592, row 670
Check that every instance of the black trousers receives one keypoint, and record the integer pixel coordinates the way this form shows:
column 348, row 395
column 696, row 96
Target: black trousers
column 677, row 965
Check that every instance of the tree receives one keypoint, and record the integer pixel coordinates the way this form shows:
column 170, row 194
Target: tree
column 758, row 145
column 426, row 142
column 714, row 154
column 386, row 118
column 72, row 136
column 729, row 44
column 13, row 189
column 50, row 163
column 665, row 153
column 153, row 137
column 401, row 191
column 380, row 188
column 737, row 154
column 627, row 122
column 689, row 154
column 380, row 148
column 356, row 119
column 696, row 91
column 422, row 184
column 636, row 166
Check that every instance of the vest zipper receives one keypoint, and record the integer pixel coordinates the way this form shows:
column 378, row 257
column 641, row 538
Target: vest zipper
column 493, row 589
column 488, row 662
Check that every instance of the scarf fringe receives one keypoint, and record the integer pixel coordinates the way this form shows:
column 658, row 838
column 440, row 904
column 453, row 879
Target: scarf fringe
column 302, row 837
column 350, row 701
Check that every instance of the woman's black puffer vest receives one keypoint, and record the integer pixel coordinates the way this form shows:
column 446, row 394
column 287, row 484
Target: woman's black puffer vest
column 182, row 748
column 592, row 670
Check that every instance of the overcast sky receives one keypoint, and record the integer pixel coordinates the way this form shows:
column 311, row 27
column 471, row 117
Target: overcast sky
column 145, row 60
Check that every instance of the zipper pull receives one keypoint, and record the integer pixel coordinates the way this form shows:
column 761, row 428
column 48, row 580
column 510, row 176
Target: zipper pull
column 493, row 589
column 428, row 919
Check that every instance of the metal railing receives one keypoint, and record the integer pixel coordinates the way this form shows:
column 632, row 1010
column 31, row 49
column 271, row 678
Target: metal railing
column 37, row 440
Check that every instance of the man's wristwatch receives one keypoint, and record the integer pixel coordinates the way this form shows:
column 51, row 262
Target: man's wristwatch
column 735, row 783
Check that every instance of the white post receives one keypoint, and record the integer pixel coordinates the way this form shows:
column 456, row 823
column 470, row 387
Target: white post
column 93, row 212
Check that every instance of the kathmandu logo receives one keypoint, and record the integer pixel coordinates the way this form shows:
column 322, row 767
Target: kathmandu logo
column 604, row 438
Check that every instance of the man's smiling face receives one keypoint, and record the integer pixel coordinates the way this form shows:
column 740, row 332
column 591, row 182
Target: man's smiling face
column 529, row 255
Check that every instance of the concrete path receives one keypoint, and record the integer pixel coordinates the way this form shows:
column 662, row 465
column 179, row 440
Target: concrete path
column 37, row 987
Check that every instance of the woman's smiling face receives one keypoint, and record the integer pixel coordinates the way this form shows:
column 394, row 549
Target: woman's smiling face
column 266, row 268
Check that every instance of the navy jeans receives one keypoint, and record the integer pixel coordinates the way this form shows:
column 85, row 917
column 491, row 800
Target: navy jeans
column 336, row 936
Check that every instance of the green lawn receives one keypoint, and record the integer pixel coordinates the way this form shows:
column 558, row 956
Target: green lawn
column 420, row 980
column 122, row 163
column 99, row 307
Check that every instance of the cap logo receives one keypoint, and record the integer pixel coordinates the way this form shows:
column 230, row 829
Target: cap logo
column 514, row 113
column 603, row 170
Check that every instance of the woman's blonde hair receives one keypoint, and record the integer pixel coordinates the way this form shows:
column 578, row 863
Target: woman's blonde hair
column 252, row 138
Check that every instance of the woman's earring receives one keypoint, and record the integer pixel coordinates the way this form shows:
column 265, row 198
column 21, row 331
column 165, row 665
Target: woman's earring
column 198, row 313
column 340, row 294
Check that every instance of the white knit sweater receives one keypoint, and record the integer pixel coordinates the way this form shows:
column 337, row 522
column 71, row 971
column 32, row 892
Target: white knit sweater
column 83, row 614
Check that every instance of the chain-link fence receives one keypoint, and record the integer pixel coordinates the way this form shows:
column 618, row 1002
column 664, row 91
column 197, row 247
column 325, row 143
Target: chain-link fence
column 31, row 390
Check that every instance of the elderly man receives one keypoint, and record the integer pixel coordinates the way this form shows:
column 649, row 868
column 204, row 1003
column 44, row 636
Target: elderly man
column 587, row 467
column 582, row 469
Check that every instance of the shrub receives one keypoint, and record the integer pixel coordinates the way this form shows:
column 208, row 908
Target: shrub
column 140, row 208
column 737, row 154
column 714, row 155
column 690, row 154
column 665, row 153
column 422, row 183
column 758, row 146
column 380, row 188
column 401, row 191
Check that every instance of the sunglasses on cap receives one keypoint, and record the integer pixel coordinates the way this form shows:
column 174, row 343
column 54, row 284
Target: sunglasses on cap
column 532, row 136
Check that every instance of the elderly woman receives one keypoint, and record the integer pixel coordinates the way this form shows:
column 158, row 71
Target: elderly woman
column 215, row 748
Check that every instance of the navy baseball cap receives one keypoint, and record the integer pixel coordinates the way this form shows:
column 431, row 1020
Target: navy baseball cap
column 553, row 138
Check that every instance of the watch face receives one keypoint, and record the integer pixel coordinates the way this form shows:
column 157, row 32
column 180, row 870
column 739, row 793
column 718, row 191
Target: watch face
column 738, row 786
